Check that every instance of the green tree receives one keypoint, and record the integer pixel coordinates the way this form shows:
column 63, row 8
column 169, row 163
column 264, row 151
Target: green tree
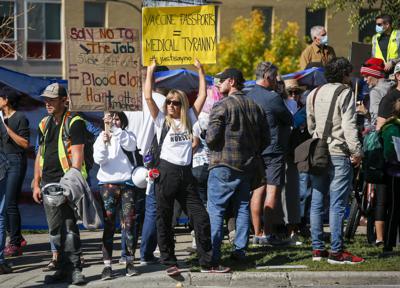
column 390, row 7
column 285, row 47
column 247, row 46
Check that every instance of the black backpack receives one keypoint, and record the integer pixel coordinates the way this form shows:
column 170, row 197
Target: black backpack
column 155, row 148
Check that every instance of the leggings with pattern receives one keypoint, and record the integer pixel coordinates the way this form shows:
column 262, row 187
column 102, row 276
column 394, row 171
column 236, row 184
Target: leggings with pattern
column 113, row 195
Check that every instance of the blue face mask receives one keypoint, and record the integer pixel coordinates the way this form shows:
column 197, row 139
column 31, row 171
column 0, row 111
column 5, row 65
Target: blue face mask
column 379, row 29
column 324, row 40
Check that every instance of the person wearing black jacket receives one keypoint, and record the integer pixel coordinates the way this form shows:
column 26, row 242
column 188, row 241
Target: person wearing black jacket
column 279, row 121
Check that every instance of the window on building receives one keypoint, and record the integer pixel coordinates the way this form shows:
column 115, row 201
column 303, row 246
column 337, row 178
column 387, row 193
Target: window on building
column 365, row 32
column 43, row 30
column 7, row 30
column 314, row 18
column 95, row 14
column 267, row 13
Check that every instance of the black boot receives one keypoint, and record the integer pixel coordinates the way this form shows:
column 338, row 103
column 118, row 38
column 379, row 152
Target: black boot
column 58, row 276
column 78, row 278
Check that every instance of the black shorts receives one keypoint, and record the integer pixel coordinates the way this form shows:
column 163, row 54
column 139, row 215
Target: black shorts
column 275, row 169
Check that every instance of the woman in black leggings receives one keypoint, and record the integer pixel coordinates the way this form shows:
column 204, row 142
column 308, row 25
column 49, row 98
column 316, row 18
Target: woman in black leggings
column 176, row 181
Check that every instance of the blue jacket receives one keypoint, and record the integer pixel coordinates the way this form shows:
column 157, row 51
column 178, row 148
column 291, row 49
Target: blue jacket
column 279, row 118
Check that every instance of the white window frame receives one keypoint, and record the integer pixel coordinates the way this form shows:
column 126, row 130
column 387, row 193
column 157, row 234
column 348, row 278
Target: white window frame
column 14, row 40
column 44, row 41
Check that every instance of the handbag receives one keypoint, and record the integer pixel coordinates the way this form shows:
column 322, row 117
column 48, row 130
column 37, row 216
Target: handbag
column 312, row 156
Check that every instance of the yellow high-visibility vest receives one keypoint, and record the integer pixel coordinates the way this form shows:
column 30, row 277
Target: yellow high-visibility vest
column 392, row 49
column 64, row 144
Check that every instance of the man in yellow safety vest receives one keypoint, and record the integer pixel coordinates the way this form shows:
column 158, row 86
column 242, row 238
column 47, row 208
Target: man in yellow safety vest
column 58, row 154
column 386, row 42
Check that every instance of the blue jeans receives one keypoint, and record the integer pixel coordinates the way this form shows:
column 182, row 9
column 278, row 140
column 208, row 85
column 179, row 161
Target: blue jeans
column 335, row 182
column 149, row 230
column 3, row 221
column 200, row 173
column 15, row 177
column 304, row 191
column 225, row 185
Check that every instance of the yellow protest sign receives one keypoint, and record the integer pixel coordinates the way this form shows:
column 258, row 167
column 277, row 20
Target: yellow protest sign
column 103, row 69
column 178, row 35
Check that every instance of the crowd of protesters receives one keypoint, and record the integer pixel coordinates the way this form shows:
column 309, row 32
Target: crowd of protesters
column 246, row 158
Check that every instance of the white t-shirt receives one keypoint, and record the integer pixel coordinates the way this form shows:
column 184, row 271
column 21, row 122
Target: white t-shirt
column 141, row 123
column 177, row 145
column 200, row 157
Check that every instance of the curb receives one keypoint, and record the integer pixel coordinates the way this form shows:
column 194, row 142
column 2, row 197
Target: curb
column 258, row 279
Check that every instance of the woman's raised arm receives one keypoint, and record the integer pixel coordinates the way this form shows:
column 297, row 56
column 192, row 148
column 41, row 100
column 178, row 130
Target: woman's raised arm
column 148, row 90
column 201, row 98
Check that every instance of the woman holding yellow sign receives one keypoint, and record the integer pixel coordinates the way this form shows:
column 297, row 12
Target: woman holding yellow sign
column 172, row 155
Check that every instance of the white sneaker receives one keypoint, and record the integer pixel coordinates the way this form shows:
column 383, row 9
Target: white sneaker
column 259, row 240
column 157, row 252
column 194, row 246
column 122, row 261
column 294, row 240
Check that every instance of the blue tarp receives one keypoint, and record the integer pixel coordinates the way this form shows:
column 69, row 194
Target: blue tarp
column 32, row 86
column 182, row 79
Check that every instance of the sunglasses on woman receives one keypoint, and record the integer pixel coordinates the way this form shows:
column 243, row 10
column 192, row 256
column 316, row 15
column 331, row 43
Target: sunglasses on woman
column 174, row 103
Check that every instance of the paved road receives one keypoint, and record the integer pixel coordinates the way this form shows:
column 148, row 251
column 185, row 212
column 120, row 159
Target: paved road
column 28, row 271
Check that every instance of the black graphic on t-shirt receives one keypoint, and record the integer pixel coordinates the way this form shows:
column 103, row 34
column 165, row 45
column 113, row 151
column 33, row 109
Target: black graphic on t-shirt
column 179, row 137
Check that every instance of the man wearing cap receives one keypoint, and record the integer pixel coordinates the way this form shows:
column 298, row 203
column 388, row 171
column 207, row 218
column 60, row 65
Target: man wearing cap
column 279, row 121
column 318, row 51
column 54, row 158
column 373, row 73
column 386, row 106
column 235, row 135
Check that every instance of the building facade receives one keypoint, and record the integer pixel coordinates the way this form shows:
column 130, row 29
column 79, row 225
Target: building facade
column 38, row 26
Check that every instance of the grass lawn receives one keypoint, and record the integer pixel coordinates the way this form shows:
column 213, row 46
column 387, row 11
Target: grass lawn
column 301, row 255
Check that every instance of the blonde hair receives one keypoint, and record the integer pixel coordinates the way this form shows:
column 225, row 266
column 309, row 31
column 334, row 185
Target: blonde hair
column 184, row 117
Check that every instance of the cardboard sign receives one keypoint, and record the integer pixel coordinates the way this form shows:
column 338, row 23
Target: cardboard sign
column 178, row 35
column 359, row 52
column 103, row 69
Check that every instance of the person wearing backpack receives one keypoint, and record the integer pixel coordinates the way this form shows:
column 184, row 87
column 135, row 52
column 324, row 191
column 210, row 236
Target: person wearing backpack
column 331, row 118
column 176, row 181
column 113, row 151
column 57, row 155
column 391, row 133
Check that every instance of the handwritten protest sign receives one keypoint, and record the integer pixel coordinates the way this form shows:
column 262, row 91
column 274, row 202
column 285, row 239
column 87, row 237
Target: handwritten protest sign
column 178, row 35
column 103, row 69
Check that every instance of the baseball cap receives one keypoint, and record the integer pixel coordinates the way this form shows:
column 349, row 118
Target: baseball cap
column 397, row 68
column 231, row 73
column 54, row 90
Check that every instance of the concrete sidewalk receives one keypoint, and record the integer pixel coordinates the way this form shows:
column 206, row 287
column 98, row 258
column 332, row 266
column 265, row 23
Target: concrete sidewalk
column 28, row 271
